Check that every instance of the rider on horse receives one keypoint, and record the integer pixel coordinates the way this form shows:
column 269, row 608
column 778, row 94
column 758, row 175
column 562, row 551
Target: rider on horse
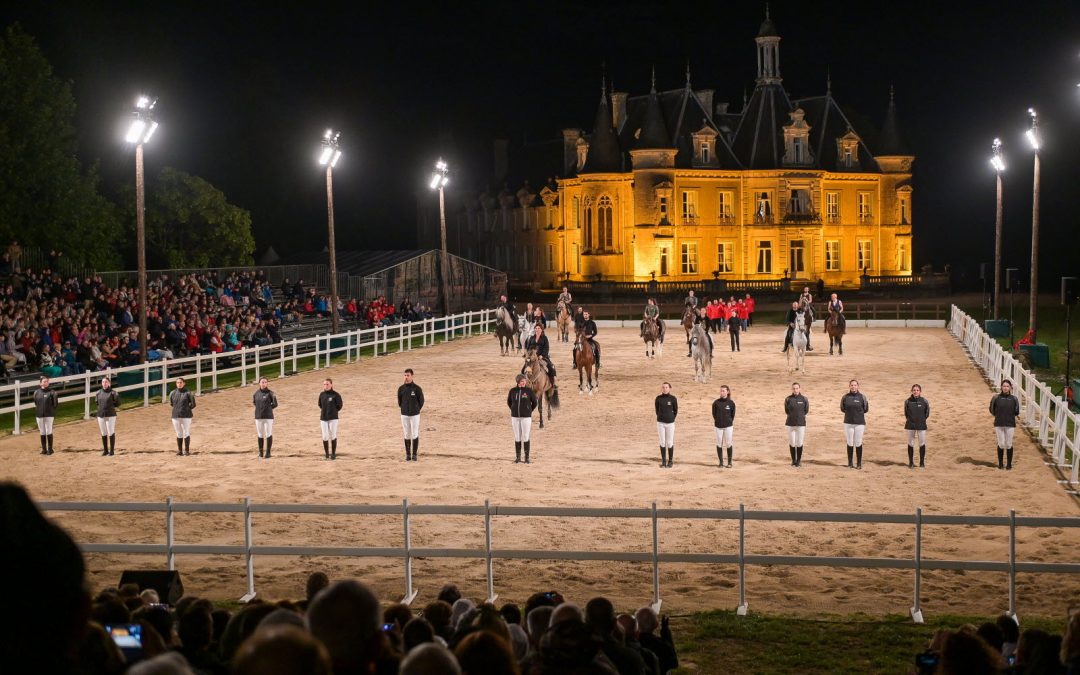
column 806, row 305
column 538, row 317
column 837, row 305
column 701, row 316
column 790, row 320
column 652, row 311
column 567, row 300
column 588, row 327
column 691, row 301
column 510, row 309
column 539, row 342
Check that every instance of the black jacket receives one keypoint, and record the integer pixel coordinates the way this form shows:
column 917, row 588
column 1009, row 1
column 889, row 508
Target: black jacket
column 667, row 408
column 723, row 414
column 107, row 401
column 410, row 399
column 854, row 407
column 916, row 412
column 1005, row 408
column 265, row 402
column 796, row 408
column 329, row 405
column 45, row 402
column 521, row 401
column 542, row 346
column 589, row 328
column 182, row 402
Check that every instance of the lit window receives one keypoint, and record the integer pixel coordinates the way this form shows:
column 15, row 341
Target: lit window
column 551, row 257
column 764, row 257
column 603, row 212
column 689, row 258
column 726, row 202
column 902, row 262
column 905, row 209
column 866, row 207
column 725, row 257
column 763, row 213
column 689, row 206
column 798, row 261
column 663, row 262
column 704, row 153
column 663, row 208
column 864, row 257
column 832, row 256
column 832, row 207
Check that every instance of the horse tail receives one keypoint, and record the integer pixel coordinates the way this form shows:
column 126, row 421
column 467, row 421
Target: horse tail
column 553, row 400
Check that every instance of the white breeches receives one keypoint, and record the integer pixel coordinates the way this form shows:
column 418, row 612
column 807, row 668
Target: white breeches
column 329, row 429
column 666, row 432
column 182, row 426
column 264, row 428
column 410, row 426
column 796, row 435
column 522, row 427
column 916, row 435
column 107, row 425
column 44, row 425
column 854, row 433
column 723, row 436
column 1004, row 436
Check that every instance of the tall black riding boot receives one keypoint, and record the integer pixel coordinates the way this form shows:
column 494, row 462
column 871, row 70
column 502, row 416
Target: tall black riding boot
column 910, row 457
column 858, row 457
column 720, row 455
column 269, row 445
column 187, row 445
column 326, row 449
column 44, row 444
column 528, row 447
column 850, row 452
column 1001, row 458
column 1008, row 459
column 663, row 457
column 798, row 456
column 791, row 448
column 922, row 456
column 179, row 446
column 333, row 449
column 104, row 446
column 415, row 446
column 112, row 444
column 517, row 452
column 408, row 450
column 729, row 456
column 670, row 456
column 50, row 444
column 261, row 444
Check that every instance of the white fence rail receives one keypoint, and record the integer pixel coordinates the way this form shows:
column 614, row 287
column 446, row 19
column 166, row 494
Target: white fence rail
column 736, row 554
column 1046, row 415
column 278, row 359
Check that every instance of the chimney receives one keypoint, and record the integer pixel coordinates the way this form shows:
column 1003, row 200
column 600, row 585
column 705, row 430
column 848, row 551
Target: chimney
column 502, row 159
column 569, row 154
column 705, row 96
column 721, row 107
column 618, row 109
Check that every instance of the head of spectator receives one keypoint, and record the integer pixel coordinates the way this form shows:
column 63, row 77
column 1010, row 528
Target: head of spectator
column 281, row 650
column 281, row 617
column 462, row 606
column 161, row 619
column 567, row 611
column 963, row 652
column 1028, row 644
column 196, row 629
column 484, row 653
column 991, row 635
column 600, row 616
column 241, row 626
column 128, row 591
column 399, row 614
column 511, row 613
column 1041, row 654
column 1070, row 643
column 488, row 618
column 429, row 659
column 1010, row 633
column 568, row 645
column 316, row 581
column 149, row 596
column 110, row 611
column 628, row 625
column 438, row 614
column 519, row 641
column 416, row 632
column 345, row 617
column 449, row 594
column 169, row 663
column 98, row 652
column 536, row 623
column 549, row 599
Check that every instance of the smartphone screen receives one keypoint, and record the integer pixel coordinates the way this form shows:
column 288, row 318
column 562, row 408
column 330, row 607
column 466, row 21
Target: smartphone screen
column 126, row 636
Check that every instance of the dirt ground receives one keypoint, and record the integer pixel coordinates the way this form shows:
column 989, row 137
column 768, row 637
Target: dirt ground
column 598, row 451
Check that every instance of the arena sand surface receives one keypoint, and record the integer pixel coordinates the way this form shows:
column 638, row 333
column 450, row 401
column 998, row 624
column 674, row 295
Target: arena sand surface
column 598, row 451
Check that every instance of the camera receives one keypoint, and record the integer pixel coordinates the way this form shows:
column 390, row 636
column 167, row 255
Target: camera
column 128, row 637
column 926, row 662
column 387, row 627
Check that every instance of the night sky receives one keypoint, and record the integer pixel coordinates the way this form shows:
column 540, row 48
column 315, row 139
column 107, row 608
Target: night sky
column 245, row 93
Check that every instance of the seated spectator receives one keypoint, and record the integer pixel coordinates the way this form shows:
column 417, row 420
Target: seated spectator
column 438, row 614
column 963, row 652
column 1010, row 634
column 416, row 632
column 345, row 617
column 398, row 614
column 484, row 653
column 316, row 581
column 663, row 646
column 1070, row 644
column 48, row 362
column 536, row 624
column 282, row 650
column 240, row 627
column 196, row 631
column 429, row 659
column 571, row 646
column 600, row 616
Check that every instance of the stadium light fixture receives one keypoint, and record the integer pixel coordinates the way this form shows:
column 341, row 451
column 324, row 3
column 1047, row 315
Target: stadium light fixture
column 998, row 162
column 139, row 132
column 439, row 179
column 1033, row 133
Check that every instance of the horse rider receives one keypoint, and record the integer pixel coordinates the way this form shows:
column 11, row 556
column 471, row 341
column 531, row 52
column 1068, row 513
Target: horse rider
column 510, row 309
column 588, row 328
column 691, row 301
column 806, row 305
column 652, row 311
column 567, row 300
column 579, row 318
column 805, row 299
column 538, row 317
column 837, row 305
column 702, row 317
column 539, row 342
column 792, row 314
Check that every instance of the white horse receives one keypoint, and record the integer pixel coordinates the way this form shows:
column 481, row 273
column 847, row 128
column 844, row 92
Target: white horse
column 798, row 344
column 701, row 350
column 525, row 330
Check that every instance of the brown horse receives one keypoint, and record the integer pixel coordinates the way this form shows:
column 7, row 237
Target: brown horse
column 651, row 336
column 563, row 321
column 836, row 329
column 585, row 362
column 542, row 384
column 688, row 325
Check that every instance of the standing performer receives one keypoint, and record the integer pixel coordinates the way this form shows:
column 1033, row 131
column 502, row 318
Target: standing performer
column 916, row 412
column 183, row 403
column 667, row 409
column 522, row 401
column 723, row 415
column 796, row 406
column 734, row 327
column 854, row 406
column 265, row 401
column 107, row 403
column 1005, row 408
column 45, row 402
column 329, row 406
column 751, row 305
column 410, row 399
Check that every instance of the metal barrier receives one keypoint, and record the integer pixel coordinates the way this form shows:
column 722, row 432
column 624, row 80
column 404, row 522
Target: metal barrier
column 284, row 355
column 655, row 557
column 1046, row 415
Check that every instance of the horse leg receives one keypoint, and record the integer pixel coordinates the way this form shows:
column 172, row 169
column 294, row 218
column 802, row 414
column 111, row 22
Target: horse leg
column 541, row 410
column 580, row 381
column 840, row 344
column 830, row 344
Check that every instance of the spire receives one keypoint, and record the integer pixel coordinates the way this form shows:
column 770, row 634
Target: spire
column 654, row 133
column 603, row 155
column 687, row 73
column 828, row 81
column 768, row 51
column 891, row 142
column 653, row 90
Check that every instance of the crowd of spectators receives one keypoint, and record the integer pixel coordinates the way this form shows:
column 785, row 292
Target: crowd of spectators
column 1000, row 648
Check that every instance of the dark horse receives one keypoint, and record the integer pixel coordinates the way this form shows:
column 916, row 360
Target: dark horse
column 836, row 328
column 506, row 331
column 585, row 362
column 542, row 384
column 688, row 325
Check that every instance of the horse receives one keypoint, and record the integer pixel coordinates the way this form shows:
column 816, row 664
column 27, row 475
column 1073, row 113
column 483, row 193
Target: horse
column 701, row 349
column 798, row 344
column 585, row 363
column 688, row 325
column 542, row 384
column 505, row 330
column 563, row 321
column 651, row 337
column 525, row 330
column 836, row 331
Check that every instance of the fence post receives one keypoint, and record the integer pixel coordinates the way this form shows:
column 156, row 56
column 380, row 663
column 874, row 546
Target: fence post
column 916, row 608
column 1012, row 563
column 281, row 359
column 655, row 562
column 170, row 539
column 741, row 611
column 410, row 594
column 86, row 397
column 294, row 355
column 487, row 551
column 250, row 595
column 329, row 341
column 15, row 431
column 198, row 375
column 146, row 384
column 243, row 367
column 213, row 372
column 256, row 364
column 348, row 346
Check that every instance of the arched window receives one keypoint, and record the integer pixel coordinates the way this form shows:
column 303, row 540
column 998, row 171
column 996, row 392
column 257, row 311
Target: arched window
column 606, row 231
column 587, row 236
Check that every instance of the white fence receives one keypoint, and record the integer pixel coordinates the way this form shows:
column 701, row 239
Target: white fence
column 1046, row 415
column 281, row 359
column 736, row 549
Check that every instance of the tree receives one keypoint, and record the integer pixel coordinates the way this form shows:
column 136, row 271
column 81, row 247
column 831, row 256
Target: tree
column 46, row 198
column 190, row 224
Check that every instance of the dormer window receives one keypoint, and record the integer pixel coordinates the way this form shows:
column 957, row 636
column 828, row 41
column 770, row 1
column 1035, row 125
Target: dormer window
column 704, row 146
column 797, row 140
column 847, row 150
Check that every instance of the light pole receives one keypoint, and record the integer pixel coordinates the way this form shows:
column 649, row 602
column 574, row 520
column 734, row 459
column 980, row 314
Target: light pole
column 329, row 158
column 998, row 162
column 1033, row 137
column 439, row 179
column 142, row 128
column 1011, row 275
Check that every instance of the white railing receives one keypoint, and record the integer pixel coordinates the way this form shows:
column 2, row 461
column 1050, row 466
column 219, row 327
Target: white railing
column 1046, row 415
column 278, row 359
column 736, row 554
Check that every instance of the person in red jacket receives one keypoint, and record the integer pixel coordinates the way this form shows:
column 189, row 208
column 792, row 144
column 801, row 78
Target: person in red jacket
column 751, row 305
column 712, row 312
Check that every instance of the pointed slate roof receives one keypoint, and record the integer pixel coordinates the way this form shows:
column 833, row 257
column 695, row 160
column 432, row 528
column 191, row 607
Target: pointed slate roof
column 828, row 123
column 604, row 155
column 759, row 140
column 891, row 143
column 654, row 133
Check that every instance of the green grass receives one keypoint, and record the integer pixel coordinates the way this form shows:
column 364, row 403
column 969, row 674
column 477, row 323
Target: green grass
column 721, row 642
